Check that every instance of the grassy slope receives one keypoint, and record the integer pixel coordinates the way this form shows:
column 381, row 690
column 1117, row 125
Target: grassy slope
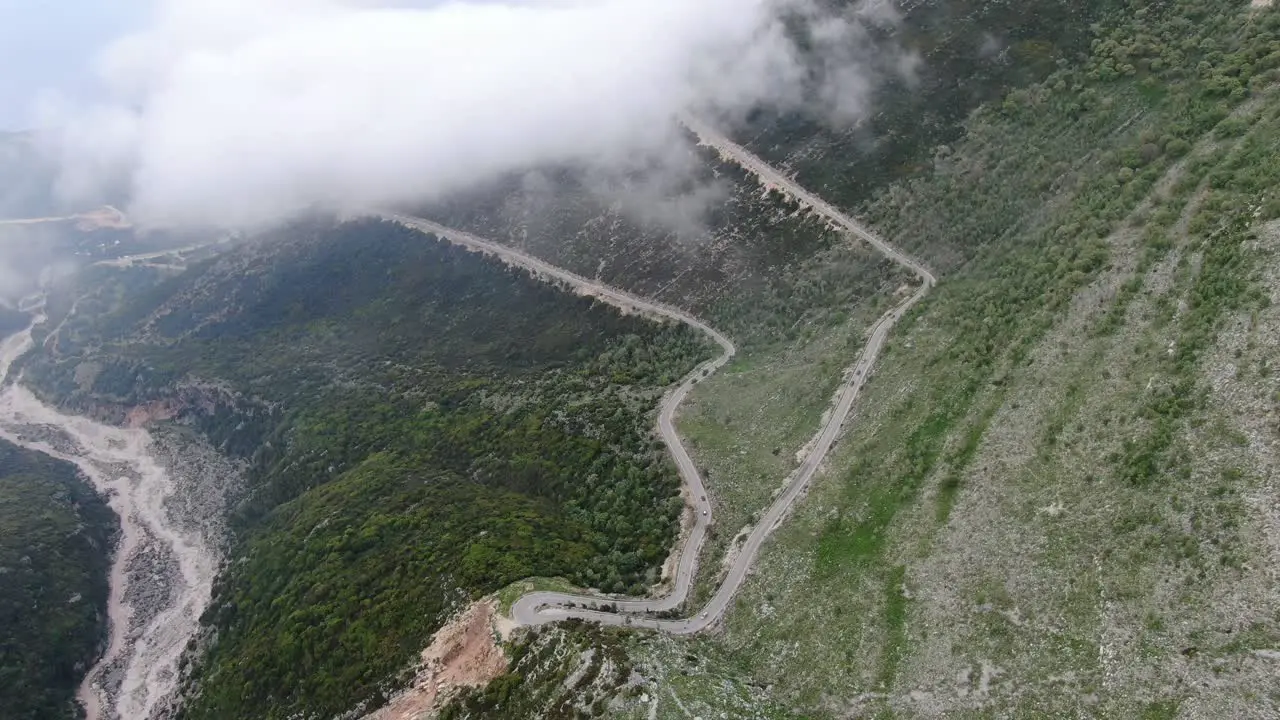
column 1050, row 501
column 1055, row 497
column 55, row 536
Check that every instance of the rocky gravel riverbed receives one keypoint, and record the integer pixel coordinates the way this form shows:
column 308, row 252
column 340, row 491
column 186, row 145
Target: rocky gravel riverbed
column 170, row 491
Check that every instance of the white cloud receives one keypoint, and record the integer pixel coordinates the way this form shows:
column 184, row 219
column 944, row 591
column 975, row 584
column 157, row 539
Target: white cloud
column 240, row 112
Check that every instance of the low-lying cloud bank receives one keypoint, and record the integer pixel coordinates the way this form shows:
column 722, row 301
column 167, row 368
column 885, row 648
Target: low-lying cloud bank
column 244, row 112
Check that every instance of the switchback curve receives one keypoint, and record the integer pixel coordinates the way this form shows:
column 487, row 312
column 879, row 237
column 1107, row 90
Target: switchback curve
column 542, row 607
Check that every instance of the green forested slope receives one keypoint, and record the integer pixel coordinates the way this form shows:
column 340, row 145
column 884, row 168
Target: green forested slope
column 423, row 425
column 55, row 536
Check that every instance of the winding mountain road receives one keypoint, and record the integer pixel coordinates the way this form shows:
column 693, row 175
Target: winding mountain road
column 695, row 491
column 542, row 607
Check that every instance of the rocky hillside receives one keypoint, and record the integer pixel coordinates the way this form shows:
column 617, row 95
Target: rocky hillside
column 1057, row 496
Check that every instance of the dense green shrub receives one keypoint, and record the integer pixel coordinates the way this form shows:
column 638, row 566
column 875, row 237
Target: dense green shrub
column 55, row 537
